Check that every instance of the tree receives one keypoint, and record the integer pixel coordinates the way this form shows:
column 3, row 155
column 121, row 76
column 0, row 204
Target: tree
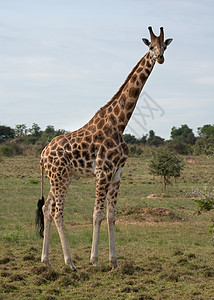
column 143, row 140
column 48, row 134
column 151, row 134
column 204, row 146
column 130, row 139
column 206, row 131
column 185, row 133
column 180, row 146
column 20, row 130
column 49, row 131
column 166, row 165
column 6, row 132
column 154, row 140
column 35, row 130
column 182, row 139
column 60, row 131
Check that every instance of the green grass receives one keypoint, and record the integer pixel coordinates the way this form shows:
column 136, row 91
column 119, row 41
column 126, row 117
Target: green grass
column 165, row 251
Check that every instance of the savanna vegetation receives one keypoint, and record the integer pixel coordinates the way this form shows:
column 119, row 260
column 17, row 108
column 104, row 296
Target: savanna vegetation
column 164, row 248
column 22, row 140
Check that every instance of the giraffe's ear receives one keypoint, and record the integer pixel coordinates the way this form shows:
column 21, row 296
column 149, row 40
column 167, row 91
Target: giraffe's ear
column 168, row 41
column 146, row 41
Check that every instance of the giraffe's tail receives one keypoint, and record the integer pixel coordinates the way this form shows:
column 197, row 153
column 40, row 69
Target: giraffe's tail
column 39, row 213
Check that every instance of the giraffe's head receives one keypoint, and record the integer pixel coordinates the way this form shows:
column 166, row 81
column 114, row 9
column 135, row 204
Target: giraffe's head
column 157, row 46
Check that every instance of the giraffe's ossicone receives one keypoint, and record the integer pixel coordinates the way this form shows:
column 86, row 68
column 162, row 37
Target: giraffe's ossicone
column 97, row 149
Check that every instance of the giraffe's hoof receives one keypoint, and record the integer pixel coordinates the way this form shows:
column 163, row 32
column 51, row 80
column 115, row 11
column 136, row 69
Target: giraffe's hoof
column 113, row 261
column 70, row 264
column 47, row 264
column 114, row 267
column 94, row 261
column 73, row 268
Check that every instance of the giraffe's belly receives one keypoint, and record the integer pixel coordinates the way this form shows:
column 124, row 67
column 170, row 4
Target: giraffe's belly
column 83, row 169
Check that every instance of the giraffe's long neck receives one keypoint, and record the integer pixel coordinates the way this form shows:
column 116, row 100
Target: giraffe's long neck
column 119, row 109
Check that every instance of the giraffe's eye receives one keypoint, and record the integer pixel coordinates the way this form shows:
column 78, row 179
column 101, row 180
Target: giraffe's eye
column 151, row 48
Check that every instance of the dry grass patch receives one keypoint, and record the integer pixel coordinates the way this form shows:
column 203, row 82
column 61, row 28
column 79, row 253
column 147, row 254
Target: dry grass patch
column 156, row 214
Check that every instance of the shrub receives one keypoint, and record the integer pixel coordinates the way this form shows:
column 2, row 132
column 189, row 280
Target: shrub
column 6, row 150
column 30, row 140
column 204, row 198
column 132, row 150
column 166, row 165
column 180, row 147
column 11, row 149
column 204, row 146
column 135, row 151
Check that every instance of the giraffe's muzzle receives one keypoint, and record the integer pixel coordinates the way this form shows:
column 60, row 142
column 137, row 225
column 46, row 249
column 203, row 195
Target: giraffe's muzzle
column 160, row 59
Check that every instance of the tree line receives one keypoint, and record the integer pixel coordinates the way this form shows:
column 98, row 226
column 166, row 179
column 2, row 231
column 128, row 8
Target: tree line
column 30, row 135
column 22, row 140
column 182, row 139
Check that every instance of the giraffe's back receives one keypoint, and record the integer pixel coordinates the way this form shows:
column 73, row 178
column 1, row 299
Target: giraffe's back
column 69, row 155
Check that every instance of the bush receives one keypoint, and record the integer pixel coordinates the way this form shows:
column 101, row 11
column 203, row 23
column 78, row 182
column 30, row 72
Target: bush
column 135, row 151
column 31, row 140
column 6, row 150
column 11, row 149
column 130, row 139
column 180, row 147
column 154, row 140
column 6, row 132
column 204, row 198
column 204, row 146
column 166, row 165
column 132, row 150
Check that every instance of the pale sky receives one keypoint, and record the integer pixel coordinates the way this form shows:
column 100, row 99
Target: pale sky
column 61, row 60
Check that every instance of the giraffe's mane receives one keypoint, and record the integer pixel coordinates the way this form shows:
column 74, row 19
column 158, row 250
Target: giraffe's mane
column 117, row 95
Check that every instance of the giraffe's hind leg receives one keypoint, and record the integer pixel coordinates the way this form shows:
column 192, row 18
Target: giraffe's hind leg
column 58, row 218
column 101, row 190
column 47, row 226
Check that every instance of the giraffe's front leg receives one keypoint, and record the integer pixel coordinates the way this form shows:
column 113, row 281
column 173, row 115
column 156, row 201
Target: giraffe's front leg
column 97, row 219
column 111, row 215
column 101, row 190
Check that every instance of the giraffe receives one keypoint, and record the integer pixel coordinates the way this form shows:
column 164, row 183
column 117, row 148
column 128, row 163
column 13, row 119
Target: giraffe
column 96, row 149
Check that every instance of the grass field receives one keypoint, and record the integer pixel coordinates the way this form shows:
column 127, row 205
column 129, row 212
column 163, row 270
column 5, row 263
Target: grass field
column 165, row 250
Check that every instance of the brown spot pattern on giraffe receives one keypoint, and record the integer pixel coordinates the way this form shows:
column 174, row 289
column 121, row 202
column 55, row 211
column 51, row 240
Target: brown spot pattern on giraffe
column 134, row 92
